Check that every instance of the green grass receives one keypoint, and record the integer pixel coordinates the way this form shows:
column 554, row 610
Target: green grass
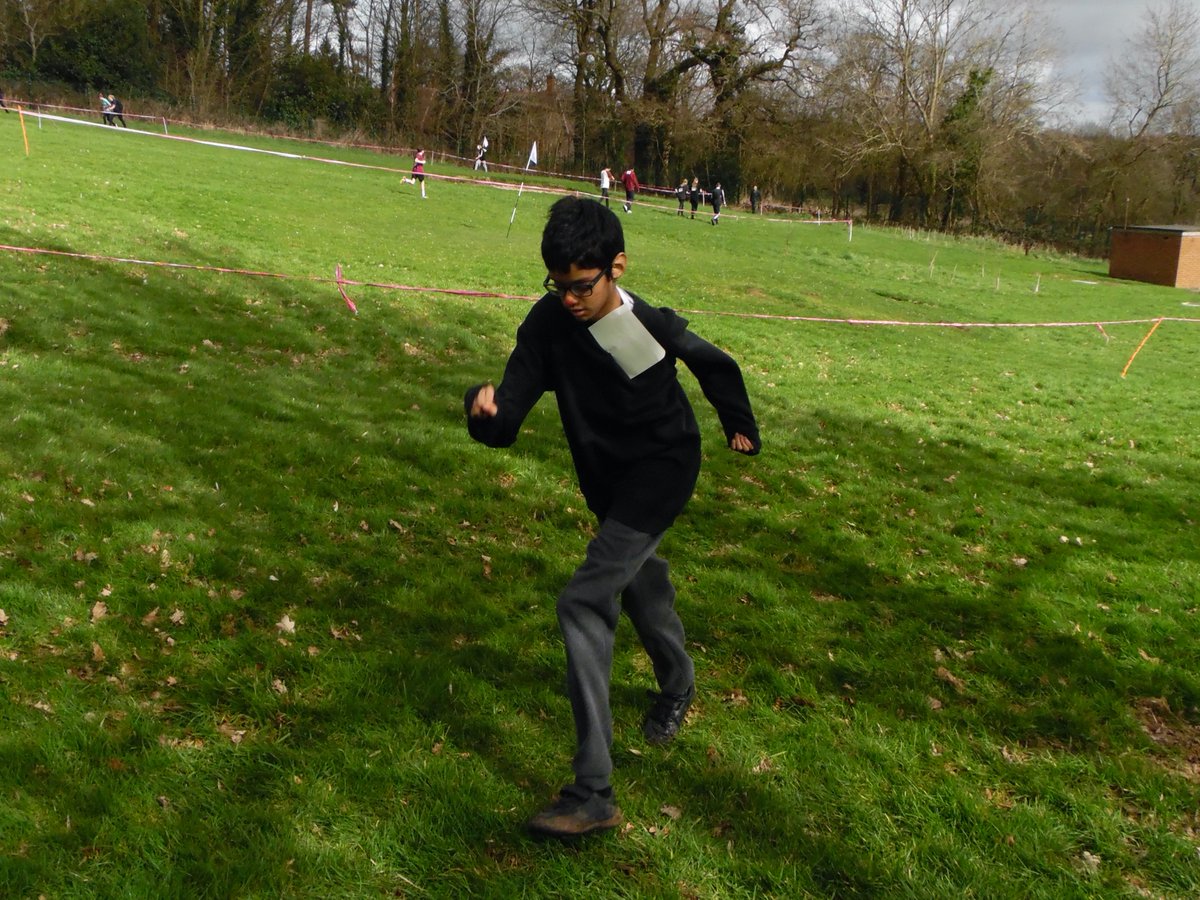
column 945, row 625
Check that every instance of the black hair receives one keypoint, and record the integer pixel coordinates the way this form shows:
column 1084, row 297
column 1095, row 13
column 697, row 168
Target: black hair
column 582, row 232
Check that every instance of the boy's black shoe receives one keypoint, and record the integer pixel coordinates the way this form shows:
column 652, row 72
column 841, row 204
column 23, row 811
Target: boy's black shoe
column 576, row 811
column 666, row 715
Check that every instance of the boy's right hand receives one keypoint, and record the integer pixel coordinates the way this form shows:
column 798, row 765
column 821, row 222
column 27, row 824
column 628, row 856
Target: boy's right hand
column 484, row 404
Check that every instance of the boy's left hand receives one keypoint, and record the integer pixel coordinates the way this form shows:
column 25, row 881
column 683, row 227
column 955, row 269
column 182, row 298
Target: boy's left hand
column 741, row 444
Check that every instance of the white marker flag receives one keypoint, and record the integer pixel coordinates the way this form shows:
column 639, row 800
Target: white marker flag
column 532, row 156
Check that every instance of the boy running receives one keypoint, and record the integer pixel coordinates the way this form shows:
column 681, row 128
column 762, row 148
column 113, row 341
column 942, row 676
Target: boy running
column 610, row 360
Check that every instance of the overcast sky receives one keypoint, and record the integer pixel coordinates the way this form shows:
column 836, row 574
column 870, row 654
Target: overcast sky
column 1094, row 32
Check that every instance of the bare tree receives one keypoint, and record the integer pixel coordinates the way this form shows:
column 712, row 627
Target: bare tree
column 920, row 84
column 1159, row 71
column 1154, row 89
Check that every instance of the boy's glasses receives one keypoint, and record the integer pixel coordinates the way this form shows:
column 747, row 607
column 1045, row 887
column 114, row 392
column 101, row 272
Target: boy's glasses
column 580, row 289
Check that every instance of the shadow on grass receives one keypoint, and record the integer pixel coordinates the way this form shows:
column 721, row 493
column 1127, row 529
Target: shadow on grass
column 262, row 413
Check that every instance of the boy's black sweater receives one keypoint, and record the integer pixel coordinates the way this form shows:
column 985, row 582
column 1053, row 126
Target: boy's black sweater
column 635, row 442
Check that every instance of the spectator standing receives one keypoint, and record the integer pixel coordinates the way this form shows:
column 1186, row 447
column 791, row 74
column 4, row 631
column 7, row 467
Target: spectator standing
column 106, row 109
column 717, row 198
column 481, row 150
column 695, row 195
column 755, row 199
column 606, row 179
column 681, row 194
column 629, row 179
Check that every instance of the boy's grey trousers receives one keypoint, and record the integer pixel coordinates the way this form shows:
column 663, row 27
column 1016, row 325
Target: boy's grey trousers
column 620, row 563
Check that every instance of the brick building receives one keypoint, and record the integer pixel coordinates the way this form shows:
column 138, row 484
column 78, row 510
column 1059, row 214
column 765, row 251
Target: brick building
column 1159, row 254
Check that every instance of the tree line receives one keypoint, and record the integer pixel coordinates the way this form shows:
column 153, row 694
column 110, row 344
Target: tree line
column 940, row 114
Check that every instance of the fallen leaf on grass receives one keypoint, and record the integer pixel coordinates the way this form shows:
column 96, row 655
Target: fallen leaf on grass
column 97, row 653
column 764, row 765
column 736, row 697
column 235, row 735
column 286, row 625
column 1090, row 861
column 951, row 679
column 151, row 617
column 3, row 618
column 178, row 617
column 100, row 609
column 671, row 812
column 278, row 686
column 487, row 566
column 1148, row 658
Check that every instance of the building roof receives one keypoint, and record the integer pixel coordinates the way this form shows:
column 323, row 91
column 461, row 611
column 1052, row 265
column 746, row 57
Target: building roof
column 1168, row 229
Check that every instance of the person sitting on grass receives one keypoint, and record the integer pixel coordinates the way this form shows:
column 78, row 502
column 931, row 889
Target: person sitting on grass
column 610, row 359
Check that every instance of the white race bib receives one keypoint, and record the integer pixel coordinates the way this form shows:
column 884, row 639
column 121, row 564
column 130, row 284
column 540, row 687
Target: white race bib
column 624, row 336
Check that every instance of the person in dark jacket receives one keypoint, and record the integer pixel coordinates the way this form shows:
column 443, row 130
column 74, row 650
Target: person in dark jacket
column 681, row 193
column 116, row 108
column 610, row 360
column 717, row 198
column 694, row 195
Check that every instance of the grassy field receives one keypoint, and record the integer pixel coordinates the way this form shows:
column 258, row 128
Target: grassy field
column 273, row 626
